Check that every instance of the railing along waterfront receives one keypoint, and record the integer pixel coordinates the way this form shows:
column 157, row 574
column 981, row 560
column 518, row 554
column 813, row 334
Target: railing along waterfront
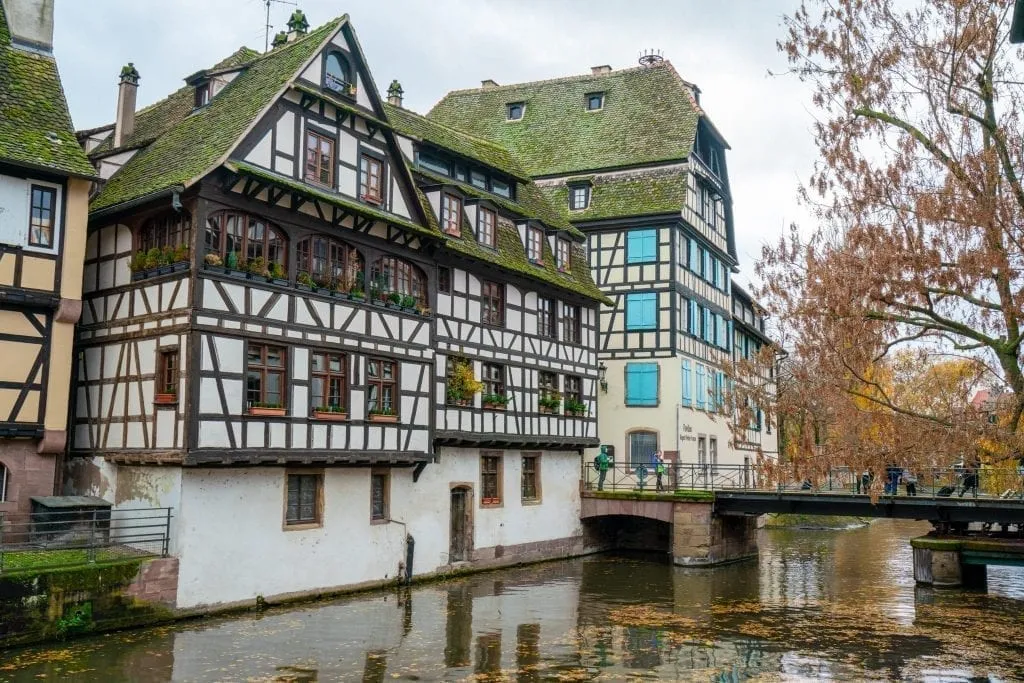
column 45, row 540
column 938, row 482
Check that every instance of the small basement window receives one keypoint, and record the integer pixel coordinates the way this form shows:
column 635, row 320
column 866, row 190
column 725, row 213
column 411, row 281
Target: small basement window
column 595, row 101
column 515, row 110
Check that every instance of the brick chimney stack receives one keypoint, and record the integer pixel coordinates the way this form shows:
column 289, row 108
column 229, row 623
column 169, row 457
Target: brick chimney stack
column 124, row 121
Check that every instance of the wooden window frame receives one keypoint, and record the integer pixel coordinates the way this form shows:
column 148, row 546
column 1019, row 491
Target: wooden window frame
column 5, row 478
column 326, row 376
column 317, row 520
column 35, row 226
column 497, row 385
column 487, row 225
column 319, row 161
column 203, row 94
column 496, row 458
column 169, row 229
column 366, row 176
column 168, row 375
column 402, row 276
column 567, row 387
column 547, row 329
column 511, row 106
column 218, row 223
column 563, row 255
column 534, row 245
column 492, row 295
column 590, row 96
column 451, row 214
column 341, row 262
column 380, row 383
column 263, row 369
column 444, row 280
column 385, row 516
column 572, row 325
column 536, row 459
column 347, row 85
column 584, row 194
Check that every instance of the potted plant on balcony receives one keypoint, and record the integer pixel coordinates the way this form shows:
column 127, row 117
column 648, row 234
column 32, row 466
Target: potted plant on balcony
column 383, row 415
column 152, row 262
column 166, row 260
column 423, row 310
column 181, row 261
column 165, row 398
column 408, row 303
column 495, row 401
column 575, row 407
column 395, row 300
column 236, row 266
column 305, row 282
column 378, row 297
column 257, row 268
column 461, row 384
column 266, row 409
column 213, row 262
column 277, row 274
column 356, row 292
column 549, row 403
column 137, row 265
column 333, row 413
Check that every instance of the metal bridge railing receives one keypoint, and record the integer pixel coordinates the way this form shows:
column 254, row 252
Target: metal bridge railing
column 677, row 476
column 45, row 540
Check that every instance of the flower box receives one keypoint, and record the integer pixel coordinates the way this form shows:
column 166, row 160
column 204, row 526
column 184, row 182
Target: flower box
column 278, row 281
column 180, row 266
column 574, row 413
column 165, row 399
column 238, row 274
column 267, row 412
column 461, row 403
column 546, row 410
column 494, row 406
column 377, row 417
column 329, row 415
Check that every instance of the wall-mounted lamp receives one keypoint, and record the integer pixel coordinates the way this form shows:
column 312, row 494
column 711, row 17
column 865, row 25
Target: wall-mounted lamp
column 602, row 371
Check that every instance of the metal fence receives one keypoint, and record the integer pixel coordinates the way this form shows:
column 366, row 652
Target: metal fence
column 937, row 482
column 44, row 540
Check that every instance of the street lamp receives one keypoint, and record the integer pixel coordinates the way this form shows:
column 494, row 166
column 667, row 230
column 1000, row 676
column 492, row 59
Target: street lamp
column 602, row 371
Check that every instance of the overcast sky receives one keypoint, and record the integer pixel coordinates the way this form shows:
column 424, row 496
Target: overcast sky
column 433, row 46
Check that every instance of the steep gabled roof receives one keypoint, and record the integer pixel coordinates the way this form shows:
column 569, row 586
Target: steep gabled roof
column 648, row 193
column 35, row 126
column 649, row 115
column 201, row 141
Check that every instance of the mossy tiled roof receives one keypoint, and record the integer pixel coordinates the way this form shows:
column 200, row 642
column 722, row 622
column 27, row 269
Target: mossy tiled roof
column 159, row 117
column 195, row 145
column 649, row 115
column 35, row 126
column 630, row 194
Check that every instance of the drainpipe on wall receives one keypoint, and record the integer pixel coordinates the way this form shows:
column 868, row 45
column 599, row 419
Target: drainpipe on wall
column 405, row 564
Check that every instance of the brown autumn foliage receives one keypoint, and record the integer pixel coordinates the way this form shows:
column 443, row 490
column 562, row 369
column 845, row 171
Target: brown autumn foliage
column 918, row 257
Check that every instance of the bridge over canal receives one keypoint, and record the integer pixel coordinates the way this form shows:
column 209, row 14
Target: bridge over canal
column 706, row 515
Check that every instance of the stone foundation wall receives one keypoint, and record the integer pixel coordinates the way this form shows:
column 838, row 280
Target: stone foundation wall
column 701, row 538
column 537, row 551
column 156, row 582
column 28, row 473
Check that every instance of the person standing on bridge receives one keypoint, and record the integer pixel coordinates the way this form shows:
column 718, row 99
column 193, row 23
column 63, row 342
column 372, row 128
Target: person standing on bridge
column 601, row 465
column 910, row 479
column 659, row 469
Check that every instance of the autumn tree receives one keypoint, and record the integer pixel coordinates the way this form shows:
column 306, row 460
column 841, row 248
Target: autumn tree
column 918, row 254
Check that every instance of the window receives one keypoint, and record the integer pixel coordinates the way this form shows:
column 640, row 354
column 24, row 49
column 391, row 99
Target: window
column 328, row 389
column 707, row 204
column 642, row 311
column 641, row 384
column 460, row 376
column 451, row 214
column 530, row 487
column 642, row 447
column 265, row 376
column 305, row 493
column 203, row 93
column 247, row 237
column 391, row 274
column 493, row 305
column 327, row 260
column 701, row 390
column 486, row 222
column 501, row 188
column 547, row 383
column 534, row 244
column 319, row 159
column 687, row 387
column 490, row 479
column 562, row 254
column 380, row 496
column 444, row 280
column 573, row 388
column 695, row 256
column 515, row 110
column 493, row 377
column 433, row 163
column 595, row 101
column 478, row 179
column 371, row 172
column 579, row 197
column 694, row 321
column 3, row 483
column 167, row 372
column 336, row 73
column 381, row 387
column 171, row 229
column 571, row 329
column 546, row 326
column 641, row 246
column 702, row 450
column 43, row 216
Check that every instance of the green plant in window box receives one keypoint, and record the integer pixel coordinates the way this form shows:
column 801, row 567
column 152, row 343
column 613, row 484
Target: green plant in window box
column 331, row 412
column 277, row 274
column 575, row 407
column 258, row 267
column 152, row 259
column 383, row 415
column 305, row 281
column 181, row 253
column 213, row 260
column 137, row 265
column 462, row 384
column 495, row 401
column 423, row 310
column 231, row 261
column 550, row 402
column 167, row 255
column 266, row 409
column 395, row 300
column 409, row 302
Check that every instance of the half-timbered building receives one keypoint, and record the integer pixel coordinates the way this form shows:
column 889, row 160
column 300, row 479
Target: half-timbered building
column 749, row 338
column 44, row 190
column 310, row 327
column 632, row 160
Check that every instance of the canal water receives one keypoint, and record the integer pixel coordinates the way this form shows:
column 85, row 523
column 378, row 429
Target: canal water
column 817, row 604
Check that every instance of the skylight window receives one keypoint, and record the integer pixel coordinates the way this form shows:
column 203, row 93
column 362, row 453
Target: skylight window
column 595, row 101
column 515, row 110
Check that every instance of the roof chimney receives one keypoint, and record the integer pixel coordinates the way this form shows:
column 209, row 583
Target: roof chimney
column 297, row 25
column 488, row 84
column 603, row 69
column 124, row 123
column 31, row 23
column 395, row 93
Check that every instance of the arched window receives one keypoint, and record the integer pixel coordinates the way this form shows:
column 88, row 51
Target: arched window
column 326, row 260
column 166, row 230
column 337, row 76
column 248, row 236
column 3, row 483
column 395, row 275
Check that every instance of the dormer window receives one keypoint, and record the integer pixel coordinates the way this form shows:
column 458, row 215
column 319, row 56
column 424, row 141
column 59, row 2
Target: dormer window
column 203, row 93
column 579, row 197
column 515, row 110
column 338, row 74
column 534, row 244
column 595, row 101
column 487, row 220
column 451, row 214
column 562, row 255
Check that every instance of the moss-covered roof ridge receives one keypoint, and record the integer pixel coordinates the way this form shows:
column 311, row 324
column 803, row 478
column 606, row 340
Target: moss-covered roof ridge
column 35, row 124
column 202, row 140
column 646, row 192
column 649, row 115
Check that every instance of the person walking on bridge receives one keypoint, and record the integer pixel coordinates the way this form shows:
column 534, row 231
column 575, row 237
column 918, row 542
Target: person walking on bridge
column 601, row 465
column 659, row 469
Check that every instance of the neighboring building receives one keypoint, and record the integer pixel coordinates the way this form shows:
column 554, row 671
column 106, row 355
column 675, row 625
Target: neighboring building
column 234, row 368
column 44, row 193
column 749, row 339
column 634, row 162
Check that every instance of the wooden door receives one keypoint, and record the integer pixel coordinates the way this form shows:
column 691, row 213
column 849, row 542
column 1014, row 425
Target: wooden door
column 459, row 540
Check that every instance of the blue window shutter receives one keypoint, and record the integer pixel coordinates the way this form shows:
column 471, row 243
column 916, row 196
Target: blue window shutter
column 642, row 311
column 642, row 384
column 631, row 312
column 719, row 390
column 651, row 245
column 687, row 389
column 650, row 310
column 650, row 395
column 631, row 383
column 694, row 257
column 728, row 335
column 641, row 246
column 694, row 322
column 700, row 386
column 707, row 326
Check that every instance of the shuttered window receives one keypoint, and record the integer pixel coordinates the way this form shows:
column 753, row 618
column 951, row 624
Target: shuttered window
column 642, row 246
column 694, row 318
column 687, row 387
column 641, row 384
column 701, row 390
column 642, row 311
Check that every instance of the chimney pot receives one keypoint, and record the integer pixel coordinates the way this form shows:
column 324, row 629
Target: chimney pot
column 395, row 93
column 488, row 84
column 124, row 120
column 602, row 69
column 30, row 23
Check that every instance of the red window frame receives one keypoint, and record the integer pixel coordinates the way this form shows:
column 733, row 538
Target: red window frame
column 319, row 159
column 534, row 245
column 488, row 221
column 371, row 179
column 451, row 214
column 492, row 310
